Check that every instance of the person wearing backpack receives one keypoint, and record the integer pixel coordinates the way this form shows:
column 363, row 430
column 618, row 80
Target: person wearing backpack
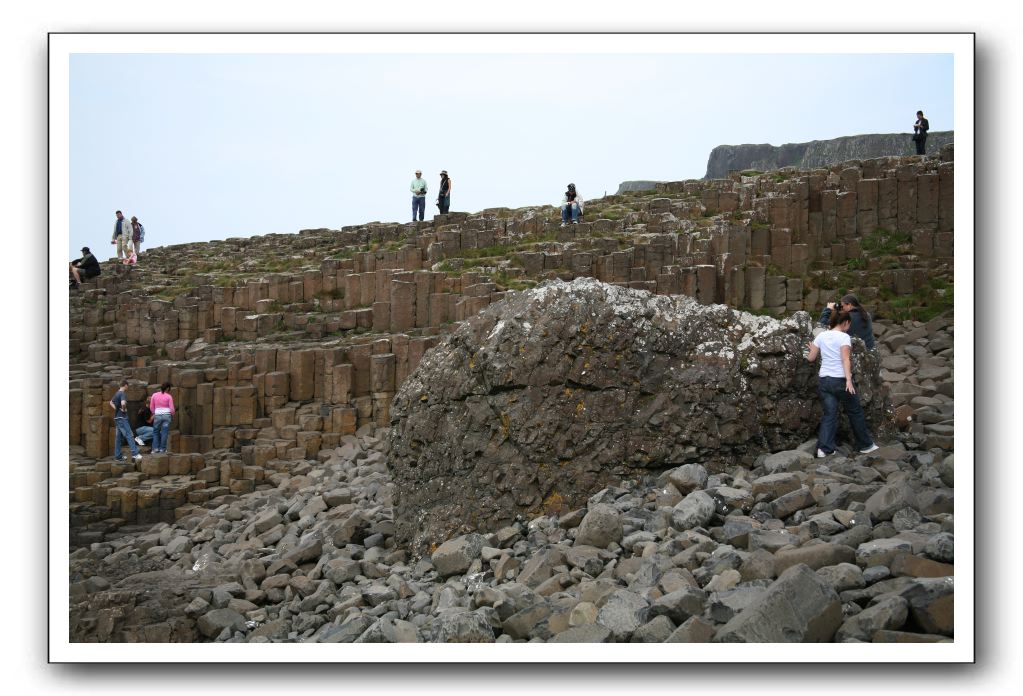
column 138, row 235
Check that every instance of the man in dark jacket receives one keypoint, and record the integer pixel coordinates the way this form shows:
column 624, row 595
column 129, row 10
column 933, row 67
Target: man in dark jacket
column 860, row 325
column 86, row 266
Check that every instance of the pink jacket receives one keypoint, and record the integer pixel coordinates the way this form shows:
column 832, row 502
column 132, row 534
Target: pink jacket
column 161, row 402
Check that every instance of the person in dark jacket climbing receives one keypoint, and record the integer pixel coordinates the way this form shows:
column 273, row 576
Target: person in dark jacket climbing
column 86, row 266
column 860, row 326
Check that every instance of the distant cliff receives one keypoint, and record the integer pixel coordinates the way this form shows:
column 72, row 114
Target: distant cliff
column 818, row 153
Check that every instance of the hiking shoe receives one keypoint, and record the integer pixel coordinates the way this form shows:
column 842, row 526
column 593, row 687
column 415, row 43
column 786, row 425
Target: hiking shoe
column 820, row 453
column 118, row 459
column 139, row 441
column 575, row 222
column 564, row 224
column 870, row 449
column 137, row 457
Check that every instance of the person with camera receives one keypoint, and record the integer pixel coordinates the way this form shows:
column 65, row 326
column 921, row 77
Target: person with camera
column 444, row 194
column 861, row 326
column 418, row 188
column 571, row 204
column 920, row 129
column 835, row 386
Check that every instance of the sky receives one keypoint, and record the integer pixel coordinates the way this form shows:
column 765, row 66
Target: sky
column 211, row 146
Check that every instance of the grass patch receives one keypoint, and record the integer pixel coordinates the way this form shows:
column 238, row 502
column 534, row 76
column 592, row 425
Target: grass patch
column 882, row 242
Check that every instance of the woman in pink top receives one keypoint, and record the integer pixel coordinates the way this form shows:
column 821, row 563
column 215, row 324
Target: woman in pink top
column 163, row 408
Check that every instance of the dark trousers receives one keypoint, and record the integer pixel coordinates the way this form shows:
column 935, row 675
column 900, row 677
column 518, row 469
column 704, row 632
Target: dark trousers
column 920, row 145
column 444, row 204
column 833, row 394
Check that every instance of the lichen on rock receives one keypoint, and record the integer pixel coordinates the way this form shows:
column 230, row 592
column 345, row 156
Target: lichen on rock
column 570, row 387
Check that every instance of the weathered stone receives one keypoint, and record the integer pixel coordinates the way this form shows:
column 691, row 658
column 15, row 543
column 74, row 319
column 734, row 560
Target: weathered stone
column 694, row 630
column 941, row 547
column 813, row 555
column 890, row 499
column 588, row 633
column 931, row 604
column 695, row 510
column 456, row 555
column 623, row 613
column 688, row 478
column 601, row 526
column 656, row 630
column 788, row 461
column 680, row 605
column 522, row 379
column 798, row 607
column 888, row 614
column 212, row 623
column 462, row 627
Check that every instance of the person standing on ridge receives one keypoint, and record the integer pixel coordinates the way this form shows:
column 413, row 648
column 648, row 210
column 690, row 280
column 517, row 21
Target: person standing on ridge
column 571, row 204
column 920, row 129
column 120, row 405
column 122, row 235
column 861, row 325
column 418, row 188
column 138, row 235
column 444, row 194
column 835, row 386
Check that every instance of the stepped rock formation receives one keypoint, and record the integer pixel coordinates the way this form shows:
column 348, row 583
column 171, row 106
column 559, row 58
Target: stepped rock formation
column 817, row 153
column 543, row 399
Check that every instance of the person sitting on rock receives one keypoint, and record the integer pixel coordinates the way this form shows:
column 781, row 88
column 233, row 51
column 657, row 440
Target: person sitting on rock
column 86, row 266
column 835, row 386
column 572, row 203
column 144, row 424
column 862, row 327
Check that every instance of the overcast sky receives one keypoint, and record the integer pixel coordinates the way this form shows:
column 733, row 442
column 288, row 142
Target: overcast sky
column 208, row 146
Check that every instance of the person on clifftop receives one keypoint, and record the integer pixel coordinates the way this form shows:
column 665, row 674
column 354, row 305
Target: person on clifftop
column 571, row 204
column 862, row 327
column 120, row 405
column 444, row 193
column 86, row 266
column 162, row 405
column 122, row 235
column 418, row 188
column 835, row 386
column 920, row 129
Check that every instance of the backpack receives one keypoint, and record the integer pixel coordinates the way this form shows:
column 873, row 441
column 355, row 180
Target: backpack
column 142, row 233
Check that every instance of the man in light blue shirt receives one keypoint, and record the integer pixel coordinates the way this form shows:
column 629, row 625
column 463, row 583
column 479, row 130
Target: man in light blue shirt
column 418, row 189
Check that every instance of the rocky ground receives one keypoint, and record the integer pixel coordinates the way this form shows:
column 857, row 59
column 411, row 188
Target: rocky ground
column 792, row 548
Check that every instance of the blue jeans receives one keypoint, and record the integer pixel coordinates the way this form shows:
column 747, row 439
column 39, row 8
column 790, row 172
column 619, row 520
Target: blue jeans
column 575, row 212
column 124, row 430
column 832, row 392
column 145, row 432
column 445, row 204
column 418, row 203
column 161, row 425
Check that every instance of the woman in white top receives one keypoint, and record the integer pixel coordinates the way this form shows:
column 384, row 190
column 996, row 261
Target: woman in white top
column 835, row 385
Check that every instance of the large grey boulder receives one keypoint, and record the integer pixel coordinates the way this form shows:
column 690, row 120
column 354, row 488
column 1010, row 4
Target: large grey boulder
column 550, row 395
column 799, row 607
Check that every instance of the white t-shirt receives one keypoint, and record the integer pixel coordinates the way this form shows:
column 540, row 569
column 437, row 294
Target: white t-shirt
column 830, row 344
